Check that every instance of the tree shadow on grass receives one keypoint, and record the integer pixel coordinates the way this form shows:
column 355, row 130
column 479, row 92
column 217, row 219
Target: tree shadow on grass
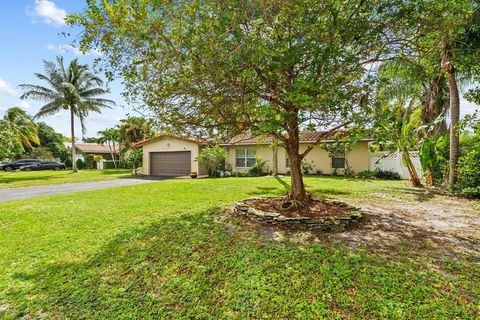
column 13, row 179
column 53, row 176
column 190, row 266
column 421, row 195
column 277, row 191
column 329, row 192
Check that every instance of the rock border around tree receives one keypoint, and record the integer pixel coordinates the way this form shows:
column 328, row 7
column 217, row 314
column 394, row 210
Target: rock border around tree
column 333, row 223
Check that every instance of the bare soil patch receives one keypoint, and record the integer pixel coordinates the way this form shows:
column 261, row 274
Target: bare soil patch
column 317, row 208
column 412, row 222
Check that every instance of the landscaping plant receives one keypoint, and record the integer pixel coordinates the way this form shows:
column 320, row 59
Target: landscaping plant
column 218, row 68
column 211, row 158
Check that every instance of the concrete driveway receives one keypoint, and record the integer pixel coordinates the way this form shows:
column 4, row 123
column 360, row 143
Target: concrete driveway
column 29, row 192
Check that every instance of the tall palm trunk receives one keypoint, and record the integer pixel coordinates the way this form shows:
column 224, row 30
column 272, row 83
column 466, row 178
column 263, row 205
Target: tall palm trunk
column 72, row 128
column 447, row 66
column 411, row 169
column 111, row 153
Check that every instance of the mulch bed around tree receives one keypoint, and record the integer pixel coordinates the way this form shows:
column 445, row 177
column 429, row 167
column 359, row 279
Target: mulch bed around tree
column 317, row 209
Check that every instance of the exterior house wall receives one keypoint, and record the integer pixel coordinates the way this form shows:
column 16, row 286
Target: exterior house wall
column 265, row 152
column 168, row 144
column 358, row 159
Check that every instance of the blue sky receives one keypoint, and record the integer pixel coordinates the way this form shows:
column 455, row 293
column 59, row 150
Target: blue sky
column 30, row 32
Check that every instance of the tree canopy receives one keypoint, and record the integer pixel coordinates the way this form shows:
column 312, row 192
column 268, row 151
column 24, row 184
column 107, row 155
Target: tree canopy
column 217, row 68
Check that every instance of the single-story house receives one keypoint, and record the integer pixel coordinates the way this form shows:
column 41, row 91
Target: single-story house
column 169, row 155
column 82, row 150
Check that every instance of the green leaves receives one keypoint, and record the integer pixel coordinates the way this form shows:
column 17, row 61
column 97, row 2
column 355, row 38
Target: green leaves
column 202, row 64
column 10, row 146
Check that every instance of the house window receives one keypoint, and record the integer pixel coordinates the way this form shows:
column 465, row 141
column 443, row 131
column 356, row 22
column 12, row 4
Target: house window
column 287, row 162
column 245, row 158
column 338, row 160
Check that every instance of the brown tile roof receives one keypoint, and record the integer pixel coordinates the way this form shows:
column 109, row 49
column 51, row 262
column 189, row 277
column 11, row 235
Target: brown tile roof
column 94, row 148
column 144, row 142
column 305, row 137
column 247, row 139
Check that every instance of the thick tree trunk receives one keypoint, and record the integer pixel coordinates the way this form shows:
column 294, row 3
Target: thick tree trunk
column 72, row 128
column 447, row 58
column 292, row 146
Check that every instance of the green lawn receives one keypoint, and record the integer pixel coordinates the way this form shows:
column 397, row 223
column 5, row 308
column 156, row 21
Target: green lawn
column 40, row 178
column 167, row 250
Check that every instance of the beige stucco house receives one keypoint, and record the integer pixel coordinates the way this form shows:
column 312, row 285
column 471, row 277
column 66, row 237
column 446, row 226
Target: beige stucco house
column 169, row 155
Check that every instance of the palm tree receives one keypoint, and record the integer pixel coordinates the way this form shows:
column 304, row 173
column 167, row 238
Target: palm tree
column 22, row 126
column 73, row 88
column 110, row 137
column 131, row 130
column 134, row 129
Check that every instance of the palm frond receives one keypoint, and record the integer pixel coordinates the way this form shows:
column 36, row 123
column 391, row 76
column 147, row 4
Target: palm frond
column 50, row 108
column 92, row 92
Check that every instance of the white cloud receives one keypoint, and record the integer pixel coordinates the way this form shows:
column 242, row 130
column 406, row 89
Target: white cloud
column 6, row 88
column 64, row 48
column 49, row 12
column 23, row 105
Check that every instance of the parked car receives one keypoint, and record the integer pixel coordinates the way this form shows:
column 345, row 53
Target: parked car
column 15, row 165
column 43, row 165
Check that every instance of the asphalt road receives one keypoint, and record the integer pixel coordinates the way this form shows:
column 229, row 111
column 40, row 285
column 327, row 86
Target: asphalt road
column 30, row 192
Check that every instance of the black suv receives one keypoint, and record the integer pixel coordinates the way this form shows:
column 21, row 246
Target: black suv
column 15, row 165
column 43, row 165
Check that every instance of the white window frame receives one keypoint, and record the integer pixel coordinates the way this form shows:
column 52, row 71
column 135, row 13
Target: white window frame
column 245, row 157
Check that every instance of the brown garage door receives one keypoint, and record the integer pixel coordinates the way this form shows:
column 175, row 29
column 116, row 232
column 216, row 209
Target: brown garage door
column 170, row 163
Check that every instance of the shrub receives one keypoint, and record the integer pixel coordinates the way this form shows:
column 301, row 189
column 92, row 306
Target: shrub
column 230, row 173
column 471, row 192
column 469, row 161
column 212, row 157
column 366, row 174
column 88, row 162
column 80, row 164
column 387, row 174
column 258, row 168
column 307, row 168
column 68, row 163
column 41, row 153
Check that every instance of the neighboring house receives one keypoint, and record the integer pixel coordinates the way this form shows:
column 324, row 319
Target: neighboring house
column 169, row 155
column 82, row 150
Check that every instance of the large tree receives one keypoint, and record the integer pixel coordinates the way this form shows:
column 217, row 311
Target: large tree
column 73, row 88
column 398, row 95
column 134, row 129
column 52, row 140
column 23, row 126
column 449, row 38
column 10, row 146
column 219, row 67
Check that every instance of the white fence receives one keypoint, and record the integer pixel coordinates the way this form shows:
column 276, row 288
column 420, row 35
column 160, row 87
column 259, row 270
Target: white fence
column 392, row 161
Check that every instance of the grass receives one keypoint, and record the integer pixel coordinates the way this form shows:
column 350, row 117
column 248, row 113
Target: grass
column 167, row 250
column 40, row 178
